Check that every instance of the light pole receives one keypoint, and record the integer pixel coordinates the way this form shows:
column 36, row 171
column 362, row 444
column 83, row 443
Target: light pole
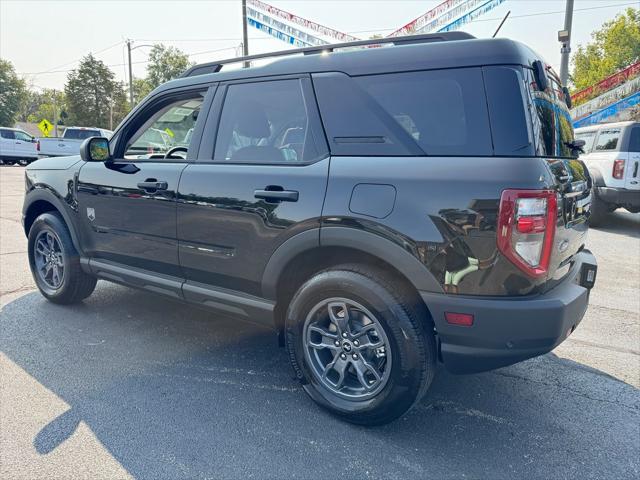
column 564, row 37
column 129, row 48
column 245, row 36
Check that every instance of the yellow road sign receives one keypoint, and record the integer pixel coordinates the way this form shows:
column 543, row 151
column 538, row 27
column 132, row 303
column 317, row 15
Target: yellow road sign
column 45, row 127
column 169, row 132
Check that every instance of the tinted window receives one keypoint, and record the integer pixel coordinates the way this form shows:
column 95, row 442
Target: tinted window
column 608, row 139
column 264, row 122
column 509, row 127
column 166, row 127
column 588, row 138
column 550, row 117
column 634, row 140
column 73, row 134
column 7, row 134
column 444, row 112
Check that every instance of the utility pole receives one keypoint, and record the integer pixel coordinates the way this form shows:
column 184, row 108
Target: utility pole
column 564, row 37
column 245, row 36
column 55, row 113
column 130, row 74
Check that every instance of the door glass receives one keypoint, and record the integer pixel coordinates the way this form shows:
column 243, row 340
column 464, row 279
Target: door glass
column 23, row 136
column 588, row 138
column 168, row 129
column 263, row 122
column 7, row 134
column 608, row 139
column 634, row 141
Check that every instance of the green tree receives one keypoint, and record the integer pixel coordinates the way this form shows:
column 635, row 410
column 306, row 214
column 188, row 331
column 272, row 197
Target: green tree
column 141, row 88
column 94, row 98
column 614, row 46
column 13, row 93
column 49, row 104
column 165, row 63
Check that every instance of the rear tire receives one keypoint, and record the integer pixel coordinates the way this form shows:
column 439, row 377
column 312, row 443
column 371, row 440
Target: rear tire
column 55, row 263
column 373, row 367
column 599, row 211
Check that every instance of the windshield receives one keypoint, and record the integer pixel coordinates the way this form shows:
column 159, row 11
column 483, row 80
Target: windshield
column 77, row 134
column 552, row 125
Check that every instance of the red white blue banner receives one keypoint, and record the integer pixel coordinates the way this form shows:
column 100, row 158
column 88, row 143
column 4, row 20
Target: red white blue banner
column 472, row 15
column 302, row 22
column 268, row 24
column 275, row 33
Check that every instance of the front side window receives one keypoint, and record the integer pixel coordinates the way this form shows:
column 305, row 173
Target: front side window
column 588, row 138
column 608, row 139
column 23, row 136
column 166, row 130
column 264, row 122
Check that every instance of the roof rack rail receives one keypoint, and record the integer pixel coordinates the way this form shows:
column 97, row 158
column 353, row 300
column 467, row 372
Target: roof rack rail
column 215, row 67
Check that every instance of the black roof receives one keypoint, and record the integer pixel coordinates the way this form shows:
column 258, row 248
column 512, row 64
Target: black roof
column 452, row 50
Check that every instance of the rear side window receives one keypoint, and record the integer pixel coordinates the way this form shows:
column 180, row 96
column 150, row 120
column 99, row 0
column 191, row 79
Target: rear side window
column 81, row 134
column 608, row 139
column 7, row 134
column 634, row 140
column 264, row 122
column 443, row 111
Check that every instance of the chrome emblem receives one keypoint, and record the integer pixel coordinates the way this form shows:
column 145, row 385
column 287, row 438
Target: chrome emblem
column 91, row 214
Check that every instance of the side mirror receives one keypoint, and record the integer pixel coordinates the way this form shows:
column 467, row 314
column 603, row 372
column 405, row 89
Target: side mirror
column 95, row 149
column 540, row 76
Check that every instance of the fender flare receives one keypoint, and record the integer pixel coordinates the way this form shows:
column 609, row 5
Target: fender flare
column 41, row 194
column 415, row 271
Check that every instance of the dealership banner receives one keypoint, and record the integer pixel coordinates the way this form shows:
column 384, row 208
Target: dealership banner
column 607, row 98
column 302, row 22
column 606, row 114
column 275, row 33
column 423, row 22
column 304, row 39
column 607, row 83
column 472, row 15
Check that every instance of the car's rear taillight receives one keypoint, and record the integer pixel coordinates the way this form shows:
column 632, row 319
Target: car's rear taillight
column 618, row 169
column 526, row 227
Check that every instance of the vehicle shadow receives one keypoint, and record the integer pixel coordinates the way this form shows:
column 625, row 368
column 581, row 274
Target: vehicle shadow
column 174, row 392
column 621, row 222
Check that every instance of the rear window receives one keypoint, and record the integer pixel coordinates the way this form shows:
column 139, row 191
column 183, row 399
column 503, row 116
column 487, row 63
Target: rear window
column 608, row 139
column 444, row 111
column 7, row 134
column 80, row 134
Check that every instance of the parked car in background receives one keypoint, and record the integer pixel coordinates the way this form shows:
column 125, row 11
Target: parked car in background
column 69, row 142
column 17, row 146
column 382, row 209
column 612, row 155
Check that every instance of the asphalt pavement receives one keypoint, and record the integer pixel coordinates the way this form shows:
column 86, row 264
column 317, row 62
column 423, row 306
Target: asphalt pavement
column 129, row 384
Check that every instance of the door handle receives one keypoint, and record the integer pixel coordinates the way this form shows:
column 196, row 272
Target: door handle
column 152, row 185
column 276, row 195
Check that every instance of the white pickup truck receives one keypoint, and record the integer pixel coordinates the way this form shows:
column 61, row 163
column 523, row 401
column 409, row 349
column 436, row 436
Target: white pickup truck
column 69, row 142
column 612, row 155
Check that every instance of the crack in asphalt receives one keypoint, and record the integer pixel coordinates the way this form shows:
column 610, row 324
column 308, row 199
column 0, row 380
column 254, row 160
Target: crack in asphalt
column 604, row 347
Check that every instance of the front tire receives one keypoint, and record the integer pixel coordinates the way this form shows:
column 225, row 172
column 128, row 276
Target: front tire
column 55, row 263
column 362, row 345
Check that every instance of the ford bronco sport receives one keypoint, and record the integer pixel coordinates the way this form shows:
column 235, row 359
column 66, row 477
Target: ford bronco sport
column 384, row 209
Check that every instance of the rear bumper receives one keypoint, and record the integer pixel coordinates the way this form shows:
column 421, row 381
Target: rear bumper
column 508, row 330
column 620, row 196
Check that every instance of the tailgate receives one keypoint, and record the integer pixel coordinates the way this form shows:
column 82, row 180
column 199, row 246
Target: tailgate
column 574, row 201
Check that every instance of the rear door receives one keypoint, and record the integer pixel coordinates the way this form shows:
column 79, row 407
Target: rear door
column 262, row 182
column 128, row 206
column 632, row 173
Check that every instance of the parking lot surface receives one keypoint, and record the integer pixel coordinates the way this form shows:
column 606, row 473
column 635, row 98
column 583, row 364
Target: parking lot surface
column 128, row 384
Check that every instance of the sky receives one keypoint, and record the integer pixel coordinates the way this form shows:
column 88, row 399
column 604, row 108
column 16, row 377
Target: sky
column 45, row 39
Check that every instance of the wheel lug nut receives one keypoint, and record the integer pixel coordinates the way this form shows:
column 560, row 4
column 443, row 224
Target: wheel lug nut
column 355, row 356
column 344, row 335
column 337, row 343
column 356, row 343
column 343, row 356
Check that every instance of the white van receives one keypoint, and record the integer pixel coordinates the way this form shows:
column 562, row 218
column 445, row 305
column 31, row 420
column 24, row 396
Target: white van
column 612, row 155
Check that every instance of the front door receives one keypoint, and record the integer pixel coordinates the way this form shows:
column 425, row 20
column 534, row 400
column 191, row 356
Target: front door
column 263, row 182
column 128, row 206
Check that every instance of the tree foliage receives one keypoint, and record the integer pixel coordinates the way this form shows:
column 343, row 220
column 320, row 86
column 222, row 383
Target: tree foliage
column 49, row 104
column 614, row 46
column 165, row 63
column 94, row 97
column 12, row 93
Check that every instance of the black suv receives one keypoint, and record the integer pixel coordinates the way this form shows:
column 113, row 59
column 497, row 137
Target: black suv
column 384, row 209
